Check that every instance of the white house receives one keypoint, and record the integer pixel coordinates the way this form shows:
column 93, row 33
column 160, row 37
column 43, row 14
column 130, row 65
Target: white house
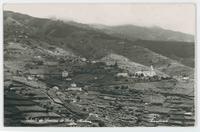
column 55, row 88
column 122, row 74
column 65, row 74
column 185, row 78
column 73, row 85
column 83, row 59
column 68, row 79
column 74, row 89
column 30, row 78
column 93, row 62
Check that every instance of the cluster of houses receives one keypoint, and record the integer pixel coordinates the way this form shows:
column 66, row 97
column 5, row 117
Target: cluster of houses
column 149, row 73
column 83, row 59
column 143, row 74
column 34, row 77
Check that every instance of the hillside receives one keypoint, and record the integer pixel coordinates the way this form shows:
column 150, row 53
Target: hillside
column 88, row 43
column 181, row 51
column 134, row 32
column 175, row 45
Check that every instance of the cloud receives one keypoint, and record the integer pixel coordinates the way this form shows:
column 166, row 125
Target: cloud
column 178, row 17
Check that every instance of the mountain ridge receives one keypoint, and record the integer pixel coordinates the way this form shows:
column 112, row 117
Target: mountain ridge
column 134, row 32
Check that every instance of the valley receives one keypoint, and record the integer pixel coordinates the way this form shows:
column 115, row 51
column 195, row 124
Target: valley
column 62, row 75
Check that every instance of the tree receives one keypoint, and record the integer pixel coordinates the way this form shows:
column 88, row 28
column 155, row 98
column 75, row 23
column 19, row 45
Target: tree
column 116, row 64
column 116, row 87
column 40, row 62
column 61, row 60
column 78, row 98
column 101, row 124
column 84, row 109
column 119, row 107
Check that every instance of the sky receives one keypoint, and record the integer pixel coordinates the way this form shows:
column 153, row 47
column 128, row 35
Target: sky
column 177, row 17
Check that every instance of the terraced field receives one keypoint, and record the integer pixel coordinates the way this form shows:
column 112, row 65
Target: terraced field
column 111, row 103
